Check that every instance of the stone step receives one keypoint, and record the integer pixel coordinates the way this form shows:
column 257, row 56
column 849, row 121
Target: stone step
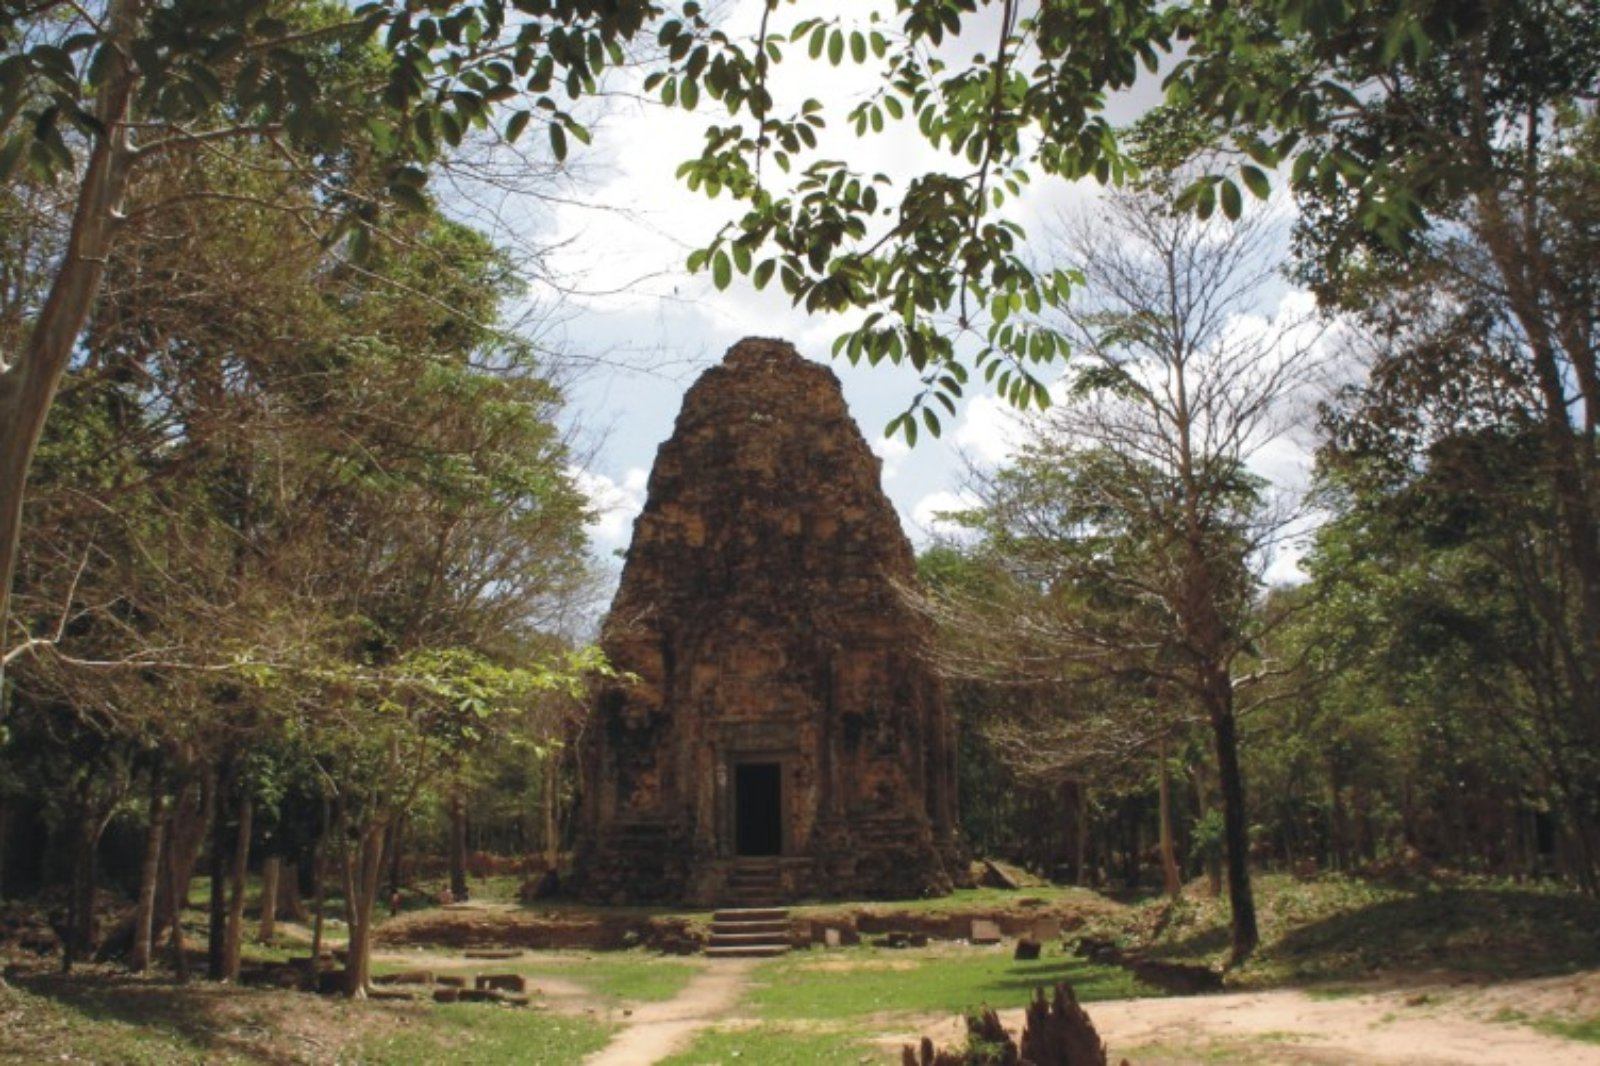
column 730, row 940
column 750, row 914
column 763, row 951
column 759, row 926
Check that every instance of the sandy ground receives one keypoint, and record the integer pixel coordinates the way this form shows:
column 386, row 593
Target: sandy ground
column 656, row 1030
column 1415, row 1026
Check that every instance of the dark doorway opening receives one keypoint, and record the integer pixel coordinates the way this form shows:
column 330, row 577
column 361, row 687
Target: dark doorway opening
column 758, row 807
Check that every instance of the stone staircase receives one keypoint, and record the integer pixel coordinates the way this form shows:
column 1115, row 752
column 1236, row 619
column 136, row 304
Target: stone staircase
column 752, row 925
column 754, row 883
column 749, row 932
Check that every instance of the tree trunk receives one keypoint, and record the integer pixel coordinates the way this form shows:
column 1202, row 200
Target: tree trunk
column 217, row 932
column 79, row 939
column 5, row 825
column 177, row 893
column 269, row 897
column 28, row 385
column 319, row 896
column 396, row 839
column 552, row 824
column 1236, row 833
column 1172, row 881
column 187, row 823
column 290, row 902
column 239, row 873
column 149, row 876
column 458, row 846
column 363, row 870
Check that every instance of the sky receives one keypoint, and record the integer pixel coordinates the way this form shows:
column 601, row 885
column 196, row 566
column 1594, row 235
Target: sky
column 646, row 328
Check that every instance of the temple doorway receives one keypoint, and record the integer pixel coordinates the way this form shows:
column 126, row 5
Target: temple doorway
column 758, row 808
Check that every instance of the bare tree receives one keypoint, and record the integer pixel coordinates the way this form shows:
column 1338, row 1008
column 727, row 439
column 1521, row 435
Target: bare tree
column 1137, row 509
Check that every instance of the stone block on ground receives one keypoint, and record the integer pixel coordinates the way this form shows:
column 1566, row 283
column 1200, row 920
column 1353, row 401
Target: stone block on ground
column 493, row 953
column 1027, row 950
column 1045, row 929
column 452, row 980
column 995, row 876
column 984, row 931
column 831, row 937
column 446, row 994
column 502, row 982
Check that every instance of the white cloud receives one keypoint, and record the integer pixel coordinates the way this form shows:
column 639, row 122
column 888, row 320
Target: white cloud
column 893, row 451
column 616, row 504
column 925, row 520
column 990, row 429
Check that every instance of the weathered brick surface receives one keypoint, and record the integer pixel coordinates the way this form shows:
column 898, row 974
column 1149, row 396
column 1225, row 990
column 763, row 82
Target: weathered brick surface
column 761, row 611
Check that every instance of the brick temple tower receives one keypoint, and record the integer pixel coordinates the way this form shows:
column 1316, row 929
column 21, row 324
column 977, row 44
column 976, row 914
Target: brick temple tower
column 783, row 721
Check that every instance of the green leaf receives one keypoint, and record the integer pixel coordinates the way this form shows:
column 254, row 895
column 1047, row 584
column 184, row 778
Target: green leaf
column 558, row 141
column 518, row 123
column 1232, row 201
column 1256, row 181
column 721, row 270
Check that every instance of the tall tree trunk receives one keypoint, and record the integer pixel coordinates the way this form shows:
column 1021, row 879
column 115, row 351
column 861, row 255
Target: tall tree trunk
column 319, row 895
column 270, row 868
column 237, row 878
column 217, row 931
column 79, row 941
column 458, row 846
column 177, row 894
column 363, row 870
column 1236, row 833
column 1171, row 879
column 5, row 826
column 551, row 830
column 291, row 903
column 28, row 384
column 396, row 840
column 149, row 875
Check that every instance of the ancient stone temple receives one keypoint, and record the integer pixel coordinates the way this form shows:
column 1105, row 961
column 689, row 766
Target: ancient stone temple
column 782, row 716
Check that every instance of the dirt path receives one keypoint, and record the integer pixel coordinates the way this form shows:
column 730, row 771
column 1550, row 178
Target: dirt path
column 1411, row 1027
column 656, row 1030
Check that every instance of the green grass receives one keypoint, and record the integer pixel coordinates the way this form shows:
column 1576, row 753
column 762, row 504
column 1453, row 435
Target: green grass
column 965, row 899
column 613, row 977
column 1342, row 929
column 774, row 1043
column 90, row 1029
column 942, row 979
column 619, row 976
column 473, row 1034
column 1587, row 1031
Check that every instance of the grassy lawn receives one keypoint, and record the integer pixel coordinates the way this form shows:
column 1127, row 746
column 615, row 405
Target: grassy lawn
column 968, row 899
column 104, row 1017
column 1342, row 929
column 1587, row 1031
column 945, row 978
column 474, row 1034
column 776, row 1042
column 612, row 977
column 617, row 976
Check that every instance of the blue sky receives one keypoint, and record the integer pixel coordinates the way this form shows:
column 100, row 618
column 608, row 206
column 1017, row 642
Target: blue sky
column 645, row 328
